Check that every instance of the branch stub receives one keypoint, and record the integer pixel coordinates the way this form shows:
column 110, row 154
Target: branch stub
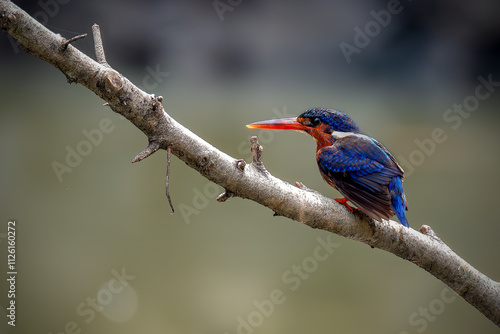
column 153, row 146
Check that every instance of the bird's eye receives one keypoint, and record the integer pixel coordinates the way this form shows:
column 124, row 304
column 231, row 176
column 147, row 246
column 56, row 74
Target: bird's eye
column 315, row 121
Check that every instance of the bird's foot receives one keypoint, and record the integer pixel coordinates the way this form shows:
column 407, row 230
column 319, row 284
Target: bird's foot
column 344, row 201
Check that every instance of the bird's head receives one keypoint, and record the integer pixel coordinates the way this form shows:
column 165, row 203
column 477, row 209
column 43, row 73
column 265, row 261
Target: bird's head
column 323, row 124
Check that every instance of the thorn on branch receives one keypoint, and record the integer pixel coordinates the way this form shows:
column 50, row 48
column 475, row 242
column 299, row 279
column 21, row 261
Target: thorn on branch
column 99, row 49
column 225, row 196
column 427, row 230
column 153, row 146
column 240, row 164
column 65, row 44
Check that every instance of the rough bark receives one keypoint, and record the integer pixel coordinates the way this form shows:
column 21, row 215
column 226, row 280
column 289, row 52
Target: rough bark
column 252, row 180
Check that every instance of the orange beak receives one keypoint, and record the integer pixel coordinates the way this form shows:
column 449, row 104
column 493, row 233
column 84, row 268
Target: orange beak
column 278, row 124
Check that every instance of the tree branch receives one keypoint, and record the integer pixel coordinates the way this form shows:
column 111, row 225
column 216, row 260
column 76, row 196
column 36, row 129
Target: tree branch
column 251, row 181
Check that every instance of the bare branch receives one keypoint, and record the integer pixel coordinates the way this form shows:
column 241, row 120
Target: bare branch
column 251, row 181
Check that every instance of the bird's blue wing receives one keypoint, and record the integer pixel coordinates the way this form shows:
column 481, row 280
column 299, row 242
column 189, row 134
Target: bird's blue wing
column 361, row 169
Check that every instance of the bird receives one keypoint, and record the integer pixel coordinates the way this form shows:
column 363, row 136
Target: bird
column 355, row 164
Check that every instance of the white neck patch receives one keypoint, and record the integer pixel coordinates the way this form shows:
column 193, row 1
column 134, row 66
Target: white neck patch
column 339, row 134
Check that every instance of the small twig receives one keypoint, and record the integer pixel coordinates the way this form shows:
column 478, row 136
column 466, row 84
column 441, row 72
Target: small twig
column 153, row 146
column 256, row 149
column 167, row 178
column 225, row 196
column 99, row 49
column 64, row 45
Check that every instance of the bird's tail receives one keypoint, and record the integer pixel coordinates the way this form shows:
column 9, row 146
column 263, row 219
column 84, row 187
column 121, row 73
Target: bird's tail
column 398, row 200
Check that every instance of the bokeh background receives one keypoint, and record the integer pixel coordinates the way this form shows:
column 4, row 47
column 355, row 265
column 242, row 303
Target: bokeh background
column 205, row 268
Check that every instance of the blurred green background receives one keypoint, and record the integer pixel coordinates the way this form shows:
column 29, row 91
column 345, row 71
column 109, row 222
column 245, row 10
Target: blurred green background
column 210, row 267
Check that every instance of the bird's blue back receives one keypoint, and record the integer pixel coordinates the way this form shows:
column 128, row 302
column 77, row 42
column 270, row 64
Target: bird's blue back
column 366, row 173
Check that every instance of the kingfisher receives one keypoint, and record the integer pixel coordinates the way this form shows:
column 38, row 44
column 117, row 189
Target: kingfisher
column 357, row 165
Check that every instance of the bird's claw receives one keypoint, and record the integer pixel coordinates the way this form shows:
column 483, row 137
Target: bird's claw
column 344, row 201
